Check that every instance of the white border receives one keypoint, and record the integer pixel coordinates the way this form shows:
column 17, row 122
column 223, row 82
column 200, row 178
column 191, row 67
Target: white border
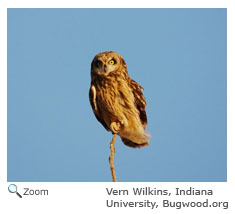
column 90, row 197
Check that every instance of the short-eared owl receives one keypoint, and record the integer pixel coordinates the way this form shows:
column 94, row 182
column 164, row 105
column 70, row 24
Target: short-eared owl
column 117, row 100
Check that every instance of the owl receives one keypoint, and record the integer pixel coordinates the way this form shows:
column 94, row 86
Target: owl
column 117, row 100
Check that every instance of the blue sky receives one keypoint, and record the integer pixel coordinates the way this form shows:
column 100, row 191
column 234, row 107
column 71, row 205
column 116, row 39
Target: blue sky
column 179, row 56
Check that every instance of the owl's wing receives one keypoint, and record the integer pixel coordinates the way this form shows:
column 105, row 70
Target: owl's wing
column 92, row 98
column 140, row 102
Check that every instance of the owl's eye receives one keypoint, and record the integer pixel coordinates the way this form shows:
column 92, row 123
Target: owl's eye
column 111, row 62
column 98, row 63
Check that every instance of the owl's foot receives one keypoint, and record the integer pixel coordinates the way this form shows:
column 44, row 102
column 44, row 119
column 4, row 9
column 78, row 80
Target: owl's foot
column 115, row 127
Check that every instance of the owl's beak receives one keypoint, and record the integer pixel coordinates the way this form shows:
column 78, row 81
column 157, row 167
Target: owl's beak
column 104, row 69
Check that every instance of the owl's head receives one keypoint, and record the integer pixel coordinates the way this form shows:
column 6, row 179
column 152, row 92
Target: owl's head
column 106, row 63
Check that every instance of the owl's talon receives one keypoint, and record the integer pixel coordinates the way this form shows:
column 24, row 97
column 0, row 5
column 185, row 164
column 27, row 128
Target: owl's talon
column 115, row 126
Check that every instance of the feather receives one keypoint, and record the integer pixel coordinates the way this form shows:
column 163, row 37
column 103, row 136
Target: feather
column 92, row 98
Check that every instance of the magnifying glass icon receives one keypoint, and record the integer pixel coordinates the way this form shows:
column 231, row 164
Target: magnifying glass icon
column 13, row 189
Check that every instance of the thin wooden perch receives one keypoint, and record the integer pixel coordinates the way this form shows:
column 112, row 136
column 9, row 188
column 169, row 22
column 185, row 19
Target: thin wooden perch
column 112, row 152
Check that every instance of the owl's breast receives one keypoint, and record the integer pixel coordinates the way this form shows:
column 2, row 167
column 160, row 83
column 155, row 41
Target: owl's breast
column 115, row 100
column 106, row 98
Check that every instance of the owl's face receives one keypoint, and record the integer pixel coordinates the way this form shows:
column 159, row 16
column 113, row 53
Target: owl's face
column 107, row 62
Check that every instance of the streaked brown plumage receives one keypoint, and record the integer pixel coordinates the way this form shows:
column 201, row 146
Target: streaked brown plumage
column 117, row 101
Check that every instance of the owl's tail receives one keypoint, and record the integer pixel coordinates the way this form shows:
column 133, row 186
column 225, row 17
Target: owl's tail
column 143, row 141
column 133, row 144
